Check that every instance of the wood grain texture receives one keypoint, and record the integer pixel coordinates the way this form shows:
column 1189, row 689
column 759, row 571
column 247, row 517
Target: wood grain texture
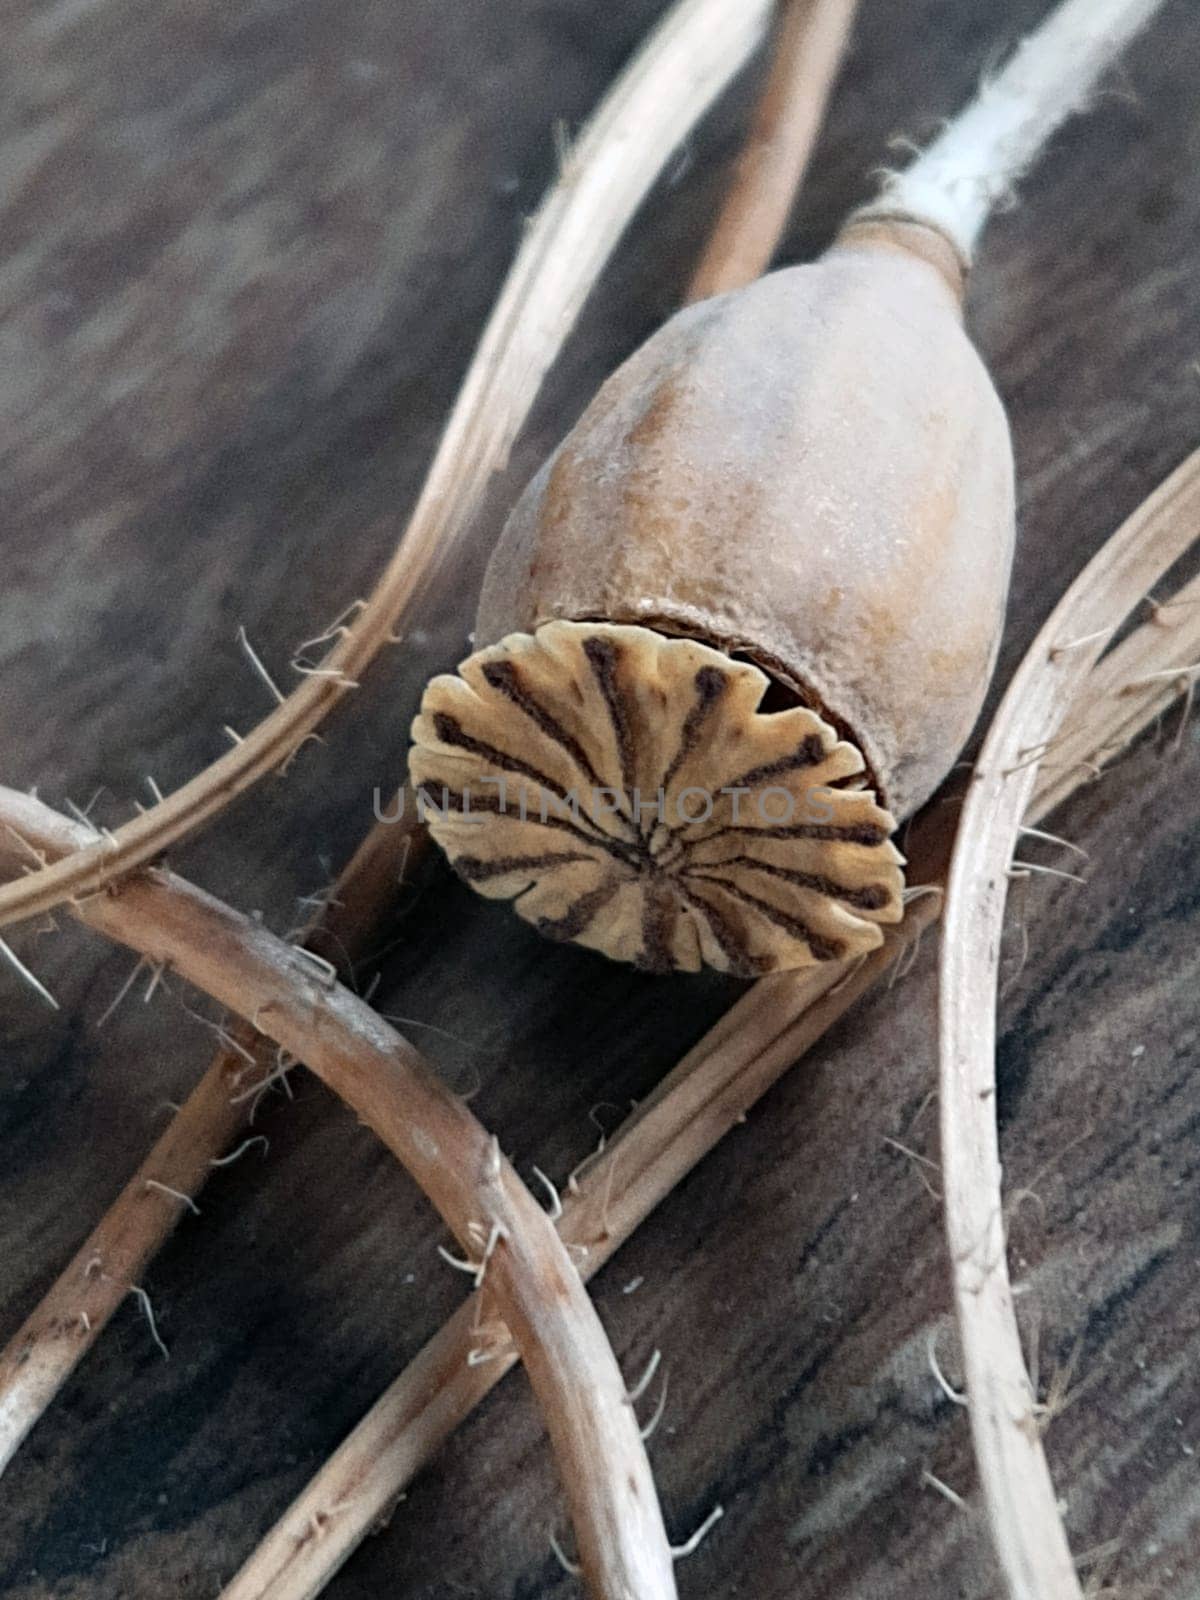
column 243, row 258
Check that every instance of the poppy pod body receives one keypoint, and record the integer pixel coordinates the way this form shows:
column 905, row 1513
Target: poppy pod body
column 773, row 554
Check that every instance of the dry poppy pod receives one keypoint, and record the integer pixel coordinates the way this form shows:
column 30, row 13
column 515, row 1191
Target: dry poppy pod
column 782, row 534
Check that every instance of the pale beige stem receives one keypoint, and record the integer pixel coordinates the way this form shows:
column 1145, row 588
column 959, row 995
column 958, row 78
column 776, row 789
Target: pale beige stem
column 276, row 987
column 46, row 1349
column 1026, row 1526
column 712, row 1087
column 811, row 41
column 975, row 162
column 654, row 104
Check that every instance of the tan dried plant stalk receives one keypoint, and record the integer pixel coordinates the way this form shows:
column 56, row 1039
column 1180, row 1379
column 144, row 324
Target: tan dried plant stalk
column 294, row 999
column 711, row 1088
column 811, row 41
column 1027, row 1529
column 675, row 77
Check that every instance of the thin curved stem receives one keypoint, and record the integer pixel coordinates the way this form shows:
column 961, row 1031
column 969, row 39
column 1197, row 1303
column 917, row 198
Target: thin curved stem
column 811, row 41
column 1029, row 1537
column 1134, row 683
column 671, row 82
column 619, row 1530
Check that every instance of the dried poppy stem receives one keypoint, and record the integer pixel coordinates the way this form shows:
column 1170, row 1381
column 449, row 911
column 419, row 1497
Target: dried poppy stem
column 712, row 1087
column 618, row 1524
column 1029, row 1537
column 71, row 1316
column 811, row 41
column 975, row 163
column 665, row 90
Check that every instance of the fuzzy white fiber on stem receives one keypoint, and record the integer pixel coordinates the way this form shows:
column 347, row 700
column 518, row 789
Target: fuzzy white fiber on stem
column 972, row 166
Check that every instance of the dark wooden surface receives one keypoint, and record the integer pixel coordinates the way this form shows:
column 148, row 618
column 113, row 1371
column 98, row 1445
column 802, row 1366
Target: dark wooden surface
column 244, row 253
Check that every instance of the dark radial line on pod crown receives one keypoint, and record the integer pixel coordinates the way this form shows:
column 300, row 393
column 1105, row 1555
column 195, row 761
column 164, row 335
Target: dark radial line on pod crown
column 603, row 658
column 580, row 914
column 450, row 731
column 711, row 684
column 870, row 897
column 478, row 869
column 822, row 948
column 506, row 680
column 810, row 752
column 658, row 914
column 728, row 935
column 864, row 833
column 467, row 805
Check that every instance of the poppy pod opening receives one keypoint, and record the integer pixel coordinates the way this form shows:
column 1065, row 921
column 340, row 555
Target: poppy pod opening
column 630, row 792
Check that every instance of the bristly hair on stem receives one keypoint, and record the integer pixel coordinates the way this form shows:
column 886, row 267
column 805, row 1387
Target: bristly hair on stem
column 975, row 163
column 40, row 1356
